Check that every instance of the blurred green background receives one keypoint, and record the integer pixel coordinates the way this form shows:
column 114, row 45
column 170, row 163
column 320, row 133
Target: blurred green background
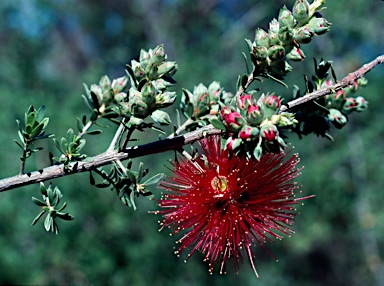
column 49, row 48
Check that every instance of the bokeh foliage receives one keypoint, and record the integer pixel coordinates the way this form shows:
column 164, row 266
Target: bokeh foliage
column 50, row 48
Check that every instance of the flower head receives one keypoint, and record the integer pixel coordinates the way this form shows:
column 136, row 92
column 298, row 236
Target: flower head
column 225, row 204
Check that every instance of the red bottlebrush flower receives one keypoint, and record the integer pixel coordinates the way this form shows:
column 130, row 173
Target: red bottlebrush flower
column 225, row 204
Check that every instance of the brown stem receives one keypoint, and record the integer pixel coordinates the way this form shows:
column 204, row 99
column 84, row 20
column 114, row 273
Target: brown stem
column 174, row 143
column 106, row 158
column 348, row 80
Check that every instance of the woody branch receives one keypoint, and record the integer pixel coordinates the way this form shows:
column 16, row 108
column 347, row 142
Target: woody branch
column 171, row 143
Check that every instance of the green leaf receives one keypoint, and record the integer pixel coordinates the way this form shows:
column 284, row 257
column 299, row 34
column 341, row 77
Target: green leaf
column 132, row 199
column 65, row 216
column 141, row 172
column 43, row 189
column 94, row 115
column 48, row 222
column 62, row 207
column 244, row 80
column 70, row 135
column 79, row 125
column 91, row 179
column 21, row 137
column 217, row 123
column 58, row 145
column 87, row 103
column 257, row 152
column 95, row 101
column 154, row 180
column 38, row 217
column 41, row 113
column 38, row 202
column 246, row 63
column 17, row 142
column 94, row 132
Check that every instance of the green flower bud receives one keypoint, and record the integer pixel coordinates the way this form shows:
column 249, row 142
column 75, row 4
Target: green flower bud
column 134, row 94
column 121, row 96
column 274, row 26
column 269, row 132
column 261, row 38
column 144, row 55
column 105, row 82
column 165, row 99
column 138, row 70
column 355, row 104
column 148, row 91
column 319, row 25
column 161, row 117
column 336, row 100
column 273, row 38
column 285, row 35
column 139, row 108
column 337, row 118
column 125, row 109
column 301, row 11
column 159, row 54
column 261, row 53
column 271, row 101
column 167, row 68
column 151, row 71
column 119, row 84
column 362, row 104
column 215, row 91
column 255, row 115
column 286, row 18
column 284, row 119
column 276, row 53
column 303, row 35
column 296, row 54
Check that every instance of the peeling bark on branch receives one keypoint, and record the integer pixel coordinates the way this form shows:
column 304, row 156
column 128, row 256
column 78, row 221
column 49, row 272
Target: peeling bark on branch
column 168, row 144
column 348, row 80
column 106, row 158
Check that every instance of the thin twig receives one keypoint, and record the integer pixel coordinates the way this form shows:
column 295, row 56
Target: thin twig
column 85, row 128
column 348, row 80
column 116, row 137
column 106, row 158
column 174, row 143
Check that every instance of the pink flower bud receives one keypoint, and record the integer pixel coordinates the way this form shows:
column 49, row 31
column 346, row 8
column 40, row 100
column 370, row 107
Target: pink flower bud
column 233, row 120
column 255, row 115
column 350, row 104
column 362, row 104
column 244, row 101
column 272, row 101
column 337, row 118
column 296, row 54
column 232, row 143
column 269, row 132
column 248, row 132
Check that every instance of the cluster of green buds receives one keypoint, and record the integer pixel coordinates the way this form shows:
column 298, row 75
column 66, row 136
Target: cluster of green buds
column 270, row 50
column 203, row 104
column 149, row 78
column 342, row 102
column 102, row 97
column 254, row 126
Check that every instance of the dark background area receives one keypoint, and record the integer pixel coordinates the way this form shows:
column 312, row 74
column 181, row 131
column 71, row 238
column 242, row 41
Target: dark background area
column 48, row 49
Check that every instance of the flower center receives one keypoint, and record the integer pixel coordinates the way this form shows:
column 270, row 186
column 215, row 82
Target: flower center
column 219, row 183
